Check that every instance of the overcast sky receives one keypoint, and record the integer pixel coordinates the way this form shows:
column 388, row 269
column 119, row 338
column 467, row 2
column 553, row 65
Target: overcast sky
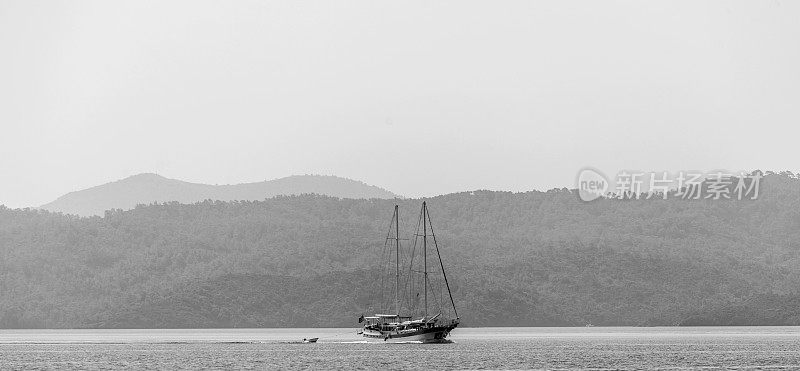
column 421, row 98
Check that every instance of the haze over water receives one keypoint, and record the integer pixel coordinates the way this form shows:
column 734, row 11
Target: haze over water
column 473, row 348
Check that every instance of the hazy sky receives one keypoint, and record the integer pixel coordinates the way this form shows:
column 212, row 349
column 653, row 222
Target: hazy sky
column 421, row 98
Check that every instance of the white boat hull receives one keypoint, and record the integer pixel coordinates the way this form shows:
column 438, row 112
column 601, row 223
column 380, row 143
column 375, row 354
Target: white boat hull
column 437, row 334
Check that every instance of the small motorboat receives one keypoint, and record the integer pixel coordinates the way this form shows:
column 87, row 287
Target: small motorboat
column 312, row 340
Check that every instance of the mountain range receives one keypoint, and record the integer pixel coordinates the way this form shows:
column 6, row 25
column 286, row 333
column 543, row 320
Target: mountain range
column 149, row 188
column 513, row 259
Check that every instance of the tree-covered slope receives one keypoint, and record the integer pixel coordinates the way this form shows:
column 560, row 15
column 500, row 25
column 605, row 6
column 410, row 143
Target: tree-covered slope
column 534, row 258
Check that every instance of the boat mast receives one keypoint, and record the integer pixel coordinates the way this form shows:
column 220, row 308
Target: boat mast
column 425, row 253
column 397, row 261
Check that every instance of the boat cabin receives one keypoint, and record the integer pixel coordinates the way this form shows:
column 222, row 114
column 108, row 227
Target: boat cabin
column 385, row 319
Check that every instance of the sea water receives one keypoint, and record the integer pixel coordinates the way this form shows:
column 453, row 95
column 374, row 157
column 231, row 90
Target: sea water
column 472, row 348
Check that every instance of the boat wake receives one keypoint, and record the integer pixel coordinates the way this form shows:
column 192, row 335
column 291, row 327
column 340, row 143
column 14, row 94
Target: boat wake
column 200, row 342
column 135, row 342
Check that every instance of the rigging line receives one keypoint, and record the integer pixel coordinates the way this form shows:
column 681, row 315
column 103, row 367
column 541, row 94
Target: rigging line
column 444, row 275
column 433, row 292
column 425, row 253
column 386, row 289
column 441, row 299
column 440, row 296
column 405, row 255
column 381, row 271
column 409, row 285
column 410, row 279
column 385, row 265
column 397, row 260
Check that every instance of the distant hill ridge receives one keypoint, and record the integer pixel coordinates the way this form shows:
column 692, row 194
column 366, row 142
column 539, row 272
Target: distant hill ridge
column 512, row 259
column 148, row 187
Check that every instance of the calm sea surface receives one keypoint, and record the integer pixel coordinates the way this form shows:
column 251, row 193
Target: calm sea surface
column 473, row 348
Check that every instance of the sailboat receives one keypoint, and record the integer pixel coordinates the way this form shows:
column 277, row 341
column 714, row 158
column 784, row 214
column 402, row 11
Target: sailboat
column 421, row 322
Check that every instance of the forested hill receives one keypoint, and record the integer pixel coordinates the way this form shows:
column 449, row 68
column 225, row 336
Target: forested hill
column 148, row 188
column 534, row 258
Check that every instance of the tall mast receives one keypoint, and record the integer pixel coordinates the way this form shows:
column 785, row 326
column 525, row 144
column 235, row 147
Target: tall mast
column 425, row 253
column 397, row 261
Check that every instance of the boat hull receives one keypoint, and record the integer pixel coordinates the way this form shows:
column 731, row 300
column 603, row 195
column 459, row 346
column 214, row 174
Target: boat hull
column 435, row 334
